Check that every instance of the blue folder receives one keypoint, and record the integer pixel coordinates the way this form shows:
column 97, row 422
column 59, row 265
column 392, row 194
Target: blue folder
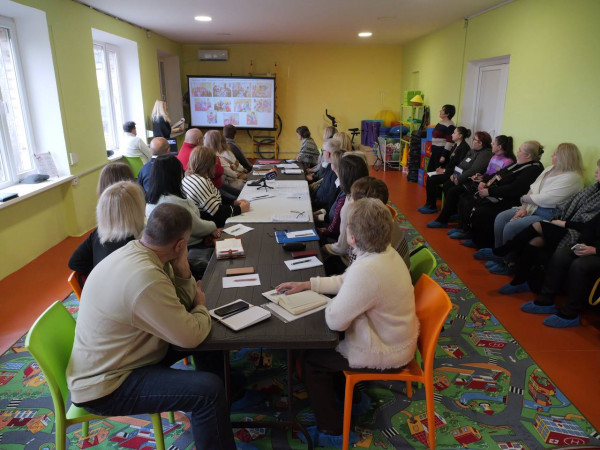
column 281, row 237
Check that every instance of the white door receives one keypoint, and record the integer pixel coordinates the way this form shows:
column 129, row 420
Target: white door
column 489, row 98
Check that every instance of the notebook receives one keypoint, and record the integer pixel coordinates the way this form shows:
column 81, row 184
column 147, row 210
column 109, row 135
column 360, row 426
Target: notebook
column 229, row 248
column 299, row 302
column 243, row 319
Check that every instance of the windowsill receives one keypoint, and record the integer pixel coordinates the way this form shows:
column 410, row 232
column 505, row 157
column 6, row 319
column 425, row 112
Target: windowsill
column 115, row 157
column 26, row 191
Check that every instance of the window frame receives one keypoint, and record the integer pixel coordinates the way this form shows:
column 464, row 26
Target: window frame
column 6, row 152
column 108, row 47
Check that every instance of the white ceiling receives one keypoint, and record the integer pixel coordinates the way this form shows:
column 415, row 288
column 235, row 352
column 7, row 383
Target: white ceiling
column 292, row 21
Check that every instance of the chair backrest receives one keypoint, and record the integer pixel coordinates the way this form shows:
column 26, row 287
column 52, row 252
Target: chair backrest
column 50, row 342
column 400, row 244
column 432, row 307
column 421, row 262
column 76, row 280
column 136, row 164
column 392, row 211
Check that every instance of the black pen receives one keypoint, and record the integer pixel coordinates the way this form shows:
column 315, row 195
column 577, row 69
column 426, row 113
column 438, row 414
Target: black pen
column 301, row 261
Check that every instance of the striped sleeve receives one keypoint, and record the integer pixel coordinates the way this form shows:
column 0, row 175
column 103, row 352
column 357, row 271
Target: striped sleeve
column 203, row 193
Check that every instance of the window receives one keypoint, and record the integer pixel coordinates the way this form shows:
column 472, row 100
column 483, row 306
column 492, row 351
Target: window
column 109, row 88
column 15, row 138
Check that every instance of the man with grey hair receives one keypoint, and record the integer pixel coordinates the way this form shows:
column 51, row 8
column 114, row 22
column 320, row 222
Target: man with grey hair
column 158, row 146
column 137, row 304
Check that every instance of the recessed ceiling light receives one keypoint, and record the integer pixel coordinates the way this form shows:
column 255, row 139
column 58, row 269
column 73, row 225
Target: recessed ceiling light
column 365, row 34
column 203, row 18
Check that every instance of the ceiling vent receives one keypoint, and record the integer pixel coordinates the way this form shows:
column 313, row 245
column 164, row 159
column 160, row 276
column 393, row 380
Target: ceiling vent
column 213, row 55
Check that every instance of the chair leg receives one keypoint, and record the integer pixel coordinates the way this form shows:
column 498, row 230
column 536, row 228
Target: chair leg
column 61, row 432
column 158, row 432
column 409, row 389
column 171, row 417
column 347, row 411
column 430, row 413
column 85, row 429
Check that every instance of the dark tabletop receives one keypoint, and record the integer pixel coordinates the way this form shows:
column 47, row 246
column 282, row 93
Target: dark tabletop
column 266, row 256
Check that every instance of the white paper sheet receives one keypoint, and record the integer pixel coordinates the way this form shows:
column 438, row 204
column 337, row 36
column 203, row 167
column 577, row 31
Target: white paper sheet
column 301, row 216
column 237, row 230
column 300, row 233
column 303, row 263
column 241, row 281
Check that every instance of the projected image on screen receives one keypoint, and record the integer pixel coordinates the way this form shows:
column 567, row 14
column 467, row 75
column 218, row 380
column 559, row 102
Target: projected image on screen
column 243, row 102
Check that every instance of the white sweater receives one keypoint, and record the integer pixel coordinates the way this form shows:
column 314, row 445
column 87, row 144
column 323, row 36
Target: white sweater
column 375, row 306
column 552, row 191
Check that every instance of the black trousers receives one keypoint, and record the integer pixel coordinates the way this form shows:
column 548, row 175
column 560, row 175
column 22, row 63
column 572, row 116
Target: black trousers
column 452, row 193
column 323, row 378
column 482, row 223
column 434, row 159
column 575, row 273
column 433, row 183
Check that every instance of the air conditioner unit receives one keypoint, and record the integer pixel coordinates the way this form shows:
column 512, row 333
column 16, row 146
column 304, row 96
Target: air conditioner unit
column 213, row 55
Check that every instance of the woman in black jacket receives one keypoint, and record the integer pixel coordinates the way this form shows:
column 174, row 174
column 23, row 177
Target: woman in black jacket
column 446, row 169
column 500, row 192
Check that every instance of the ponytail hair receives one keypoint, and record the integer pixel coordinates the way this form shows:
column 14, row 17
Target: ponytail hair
column 464, row 132
column 506, row 142
column 534, row 149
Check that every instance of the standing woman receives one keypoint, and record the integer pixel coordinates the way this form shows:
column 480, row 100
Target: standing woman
column 161, row 122
column 441, row 144
column 309, row 152
column 446, row 169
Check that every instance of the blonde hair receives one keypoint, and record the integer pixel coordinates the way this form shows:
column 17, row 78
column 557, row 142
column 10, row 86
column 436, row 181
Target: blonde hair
column 120, row 212
column 568, row 158
column 370, row 222
column 533, row 149
column 202, row 162
column 345, row 140
column 215, row 140
column 329, row 133
column 160, row 110
column 113, row 173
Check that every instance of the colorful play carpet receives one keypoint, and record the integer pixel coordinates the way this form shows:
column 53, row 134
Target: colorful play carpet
column 489, row 394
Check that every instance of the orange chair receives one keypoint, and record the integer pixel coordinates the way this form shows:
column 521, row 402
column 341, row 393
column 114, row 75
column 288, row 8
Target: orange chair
column 392, row 211
column 432, row 305
column 76, row 280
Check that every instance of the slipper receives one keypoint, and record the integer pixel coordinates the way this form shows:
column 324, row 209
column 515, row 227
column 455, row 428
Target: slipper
column 558, row 322
column 532, row 308
column 510, row 289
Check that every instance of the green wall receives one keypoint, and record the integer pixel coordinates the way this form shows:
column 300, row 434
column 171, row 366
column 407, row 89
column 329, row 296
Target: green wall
column 353, row 82
column 552, row 92
column 34, row 225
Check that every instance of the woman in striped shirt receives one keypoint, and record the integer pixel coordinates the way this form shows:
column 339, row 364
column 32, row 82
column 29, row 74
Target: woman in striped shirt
column 199, row 188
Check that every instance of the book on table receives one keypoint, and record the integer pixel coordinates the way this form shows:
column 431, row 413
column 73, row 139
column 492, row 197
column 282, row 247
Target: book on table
column 229, row 248
column 297, row 303
column 242, row 319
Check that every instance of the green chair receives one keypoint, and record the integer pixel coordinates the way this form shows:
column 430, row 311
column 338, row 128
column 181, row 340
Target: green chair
column 50, row 341
column 136, row 164
column 422, row 262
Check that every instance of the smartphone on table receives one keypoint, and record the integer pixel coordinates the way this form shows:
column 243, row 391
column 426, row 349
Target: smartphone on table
column 235, row 307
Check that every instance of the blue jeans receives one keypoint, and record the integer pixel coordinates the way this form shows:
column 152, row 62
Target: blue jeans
column 159, row 388
column 505, row 229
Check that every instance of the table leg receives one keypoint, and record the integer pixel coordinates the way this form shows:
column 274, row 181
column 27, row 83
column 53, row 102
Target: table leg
column 290, row 383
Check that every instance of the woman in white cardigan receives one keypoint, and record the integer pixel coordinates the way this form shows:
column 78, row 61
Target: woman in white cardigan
column 374, row 305
column 555, row 185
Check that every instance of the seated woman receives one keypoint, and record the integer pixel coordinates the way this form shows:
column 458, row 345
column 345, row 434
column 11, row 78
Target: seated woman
column 113, row 173
column 537, row 242
column 339, row 255
column 502, row 149
column 327, row 189
column 441, row 144
column 315, row 174
column 167, row 174
column 446, row 169
column 351, row 168
column 475, row 162
column 555, row 185
column 309, row 152
column 374, row 304
column 231, row 175
column 199, row 188
column 344, row 139
column 120, row 219
column 575, row 269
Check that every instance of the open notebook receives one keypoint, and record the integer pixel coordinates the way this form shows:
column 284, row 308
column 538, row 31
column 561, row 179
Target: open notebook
column 243, row 319
column 229, row 248
column 299, row 302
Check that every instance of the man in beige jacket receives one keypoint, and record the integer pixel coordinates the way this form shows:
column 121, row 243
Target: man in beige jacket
column 137, row 303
